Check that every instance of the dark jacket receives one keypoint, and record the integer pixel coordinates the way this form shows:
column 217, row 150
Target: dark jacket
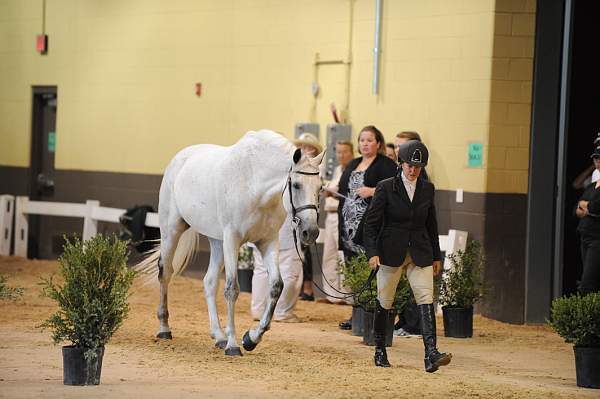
column 589, row 225
column 394, row 224
column 381, row 168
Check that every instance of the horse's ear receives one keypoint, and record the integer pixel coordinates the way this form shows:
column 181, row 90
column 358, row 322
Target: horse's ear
column 319, row 158
column 297, row 155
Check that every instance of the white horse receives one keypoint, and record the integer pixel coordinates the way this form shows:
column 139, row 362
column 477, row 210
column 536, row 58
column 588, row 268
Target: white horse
column 233, row 195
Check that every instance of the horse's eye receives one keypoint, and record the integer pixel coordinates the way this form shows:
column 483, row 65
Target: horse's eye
column 296, row 186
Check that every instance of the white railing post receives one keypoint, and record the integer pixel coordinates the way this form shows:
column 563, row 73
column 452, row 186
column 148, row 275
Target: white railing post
column 21, row 226
column 90, row 225
column 7, row 210
column 457, row 241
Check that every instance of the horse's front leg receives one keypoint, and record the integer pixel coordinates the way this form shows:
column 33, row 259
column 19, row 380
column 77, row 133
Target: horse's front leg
column 211, row 284
column 231, row 248
column 270, row 251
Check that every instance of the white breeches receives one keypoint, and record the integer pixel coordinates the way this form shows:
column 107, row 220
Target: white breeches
column 330, row 259
column 290, row 268
column 420, row 279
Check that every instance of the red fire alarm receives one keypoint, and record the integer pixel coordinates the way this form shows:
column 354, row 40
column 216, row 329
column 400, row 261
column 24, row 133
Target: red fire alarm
column 41, row 44
column 198, row 89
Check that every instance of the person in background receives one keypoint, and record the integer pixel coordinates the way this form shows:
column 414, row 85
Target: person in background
column 344, row 152
column 390, row 151
column 290, row 265
column 310, row 145
column 357, row 185
column 591, row 174
column 588, row 211
column 401, row 236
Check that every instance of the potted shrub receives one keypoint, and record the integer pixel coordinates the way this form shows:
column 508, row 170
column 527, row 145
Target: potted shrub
column 356, row 273
column 461, row 287
column 246, row 267
column 92, row 303
column 577, row 320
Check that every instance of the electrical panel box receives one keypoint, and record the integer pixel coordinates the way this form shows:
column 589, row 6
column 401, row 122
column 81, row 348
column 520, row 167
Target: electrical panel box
column 300, row 128
column 335, row 132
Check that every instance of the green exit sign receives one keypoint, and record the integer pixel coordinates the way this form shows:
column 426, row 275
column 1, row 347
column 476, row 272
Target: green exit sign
column 475, row 155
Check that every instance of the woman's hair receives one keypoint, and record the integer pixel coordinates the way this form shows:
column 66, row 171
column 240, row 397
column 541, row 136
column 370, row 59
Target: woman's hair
column 390, row 145
column 378, row 138
column 409, row 135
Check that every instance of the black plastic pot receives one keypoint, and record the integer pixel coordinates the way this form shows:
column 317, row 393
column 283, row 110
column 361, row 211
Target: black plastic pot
column 357, row 321
column 245, row 279
column 587, row 360
column 458, row 322
column 368, row 333
column 79, row 371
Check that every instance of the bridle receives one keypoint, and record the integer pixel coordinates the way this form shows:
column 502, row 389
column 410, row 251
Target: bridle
column 295, row 211
column 296, row 221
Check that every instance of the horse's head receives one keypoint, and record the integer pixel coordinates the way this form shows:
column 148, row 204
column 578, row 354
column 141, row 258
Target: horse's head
column 301, row 196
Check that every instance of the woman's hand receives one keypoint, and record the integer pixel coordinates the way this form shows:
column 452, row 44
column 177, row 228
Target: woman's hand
column 437, row 267
column 374, row 262
column 365, row 192
column 582, row 209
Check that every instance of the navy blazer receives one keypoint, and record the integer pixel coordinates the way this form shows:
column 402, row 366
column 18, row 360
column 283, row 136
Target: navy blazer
column 395, row 225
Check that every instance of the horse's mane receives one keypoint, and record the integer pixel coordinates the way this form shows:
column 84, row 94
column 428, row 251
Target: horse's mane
column 268, row 138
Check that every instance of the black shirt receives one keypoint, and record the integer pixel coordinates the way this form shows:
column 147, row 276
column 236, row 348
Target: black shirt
column 590, row 225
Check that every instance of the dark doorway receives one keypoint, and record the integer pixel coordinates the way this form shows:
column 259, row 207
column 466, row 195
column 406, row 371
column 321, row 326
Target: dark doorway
column 42, row 173
column 582, row 127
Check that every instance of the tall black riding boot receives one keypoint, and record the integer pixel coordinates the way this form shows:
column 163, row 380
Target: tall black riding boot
column 433, row 358
column 380, row 322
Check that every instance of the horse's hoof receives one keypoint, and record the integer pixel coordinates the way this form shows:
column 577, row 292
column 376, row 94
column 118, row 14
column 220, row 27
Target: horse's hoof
column 164, row 335
column 235, row 351
column 247, row 342
column 221, row 344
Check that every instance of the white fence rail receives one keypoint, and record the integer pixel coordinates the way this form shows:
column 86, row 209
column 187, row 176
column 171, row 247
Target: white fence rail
column 7, row 209
column 91, row 212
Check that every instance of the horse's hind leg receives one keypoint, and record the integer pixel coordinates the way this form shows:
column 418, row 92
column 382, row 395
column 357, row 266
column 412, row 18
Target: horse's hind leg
column 211, row 284
column 231, row 248
column 170, row 235
column 270, row 251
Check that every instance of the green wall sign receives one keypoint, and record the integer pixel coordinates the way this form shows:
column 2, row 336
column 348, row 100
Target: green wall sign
column 475, row 155
column 51, row 141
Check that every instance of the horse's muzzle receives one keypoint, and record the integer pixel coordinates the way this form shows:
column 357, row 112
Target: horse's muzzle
column 309, row 236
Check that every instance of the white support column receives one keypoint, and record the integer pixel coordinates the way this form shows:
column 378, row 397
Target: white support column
column 90, row 225
column 21, row 226
column 7, row 210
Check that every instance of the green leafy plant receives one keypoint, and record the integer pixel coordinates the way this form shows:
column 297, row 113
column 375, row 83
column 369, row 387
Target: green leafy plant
column 7, row 292
column 356, row 273
column 577, row 319
column 462, row 286
column 246, row 257
column 93, row 297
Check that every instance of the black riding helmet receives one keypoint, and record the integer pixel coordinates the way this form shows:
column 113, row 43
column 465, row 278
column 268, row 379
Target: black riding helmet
column 414, row 153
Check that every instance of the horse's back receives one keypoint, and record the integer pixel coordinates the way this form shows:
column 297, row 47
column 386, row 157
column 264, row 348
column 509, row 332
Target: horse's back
column 212, row 184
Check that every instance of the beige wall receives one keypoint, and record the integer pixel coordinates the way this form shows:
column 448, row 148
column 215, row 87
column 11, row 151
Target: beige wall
column 126, row 70
column 510, row 118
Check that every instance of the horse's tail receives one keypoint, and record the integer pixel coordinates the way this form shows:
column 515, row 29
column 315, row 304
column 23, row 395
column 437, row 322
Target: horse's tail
column 188, row 245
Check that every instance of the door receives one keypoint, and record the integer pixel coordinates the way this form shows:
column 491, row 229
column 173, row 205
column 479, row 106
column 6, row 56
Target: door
column 42, row 173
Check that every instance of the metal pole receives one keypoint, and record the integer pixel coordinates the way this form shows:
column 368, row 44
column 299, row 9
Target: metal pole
column 376, row 49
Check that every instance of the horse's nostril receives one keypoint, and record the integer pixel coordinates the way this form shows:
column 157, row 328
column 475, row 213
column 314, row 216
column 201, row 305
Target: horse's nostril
column 304, row 234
